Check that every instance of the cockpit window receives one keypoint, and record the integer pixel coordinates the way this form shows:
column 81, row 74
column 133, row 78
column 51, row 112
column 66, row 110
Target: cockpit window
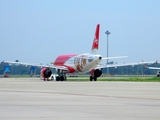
column 90, row 59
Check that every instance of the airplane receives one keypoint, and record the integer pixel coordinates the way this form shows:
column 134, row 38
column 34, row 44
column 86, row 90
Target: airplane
column 79, row 63
column 153, row 68
column 156, row 68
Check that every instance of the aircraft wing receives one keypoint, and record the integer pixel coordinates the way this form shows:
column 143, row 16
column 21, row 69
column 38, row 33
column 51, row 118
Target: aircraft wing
column 107, row 58
column 37, row 65
column 154, row 68
column 123, row 64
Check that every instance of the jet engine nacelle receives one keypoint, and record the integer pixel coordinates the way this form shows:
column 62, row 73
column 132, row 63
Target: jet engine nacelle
column 97, row 73
column 46, row 72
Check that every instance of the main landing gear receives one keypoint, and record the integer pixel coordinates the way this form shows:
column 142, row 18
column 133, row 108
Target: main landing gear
column 61, row 76
column 93, row 78
column 94, row 74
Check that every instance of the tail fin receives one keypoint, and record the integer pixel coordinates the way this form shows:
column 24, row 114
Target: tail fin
column 96, row 40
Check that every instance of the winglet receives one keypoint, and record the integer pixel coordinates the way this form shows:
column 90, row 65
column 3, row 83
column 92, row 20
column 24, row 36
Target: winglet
column 96, row 40
column 145, row 66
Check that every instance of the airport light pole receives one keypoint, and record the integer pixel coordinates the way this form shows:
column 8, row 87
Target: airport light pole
column 107, row 33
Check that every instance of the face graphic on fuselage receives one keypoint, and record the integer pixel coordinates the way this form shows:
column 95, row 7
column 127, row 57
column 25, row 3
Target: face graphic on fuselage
column 86, row 62
column 80, row 62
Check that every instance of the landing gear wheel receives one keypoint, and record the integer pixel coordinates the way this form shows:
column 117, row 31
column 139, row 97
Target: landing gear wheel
column 91, row 78
column 95, row 78
column 62, row 78
column 57, row 78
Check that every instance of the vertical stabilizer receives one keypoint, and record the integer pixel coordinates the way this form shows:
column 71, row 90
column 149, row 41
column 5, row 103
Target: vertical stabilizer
column 96, row 40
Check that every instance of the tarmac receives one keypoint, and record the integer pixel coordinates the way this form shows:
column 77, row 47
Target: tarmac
column 35, row 99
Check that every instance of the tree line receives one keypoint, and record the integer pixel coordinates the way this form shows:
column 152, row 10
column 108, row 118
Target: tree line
column 123, row 70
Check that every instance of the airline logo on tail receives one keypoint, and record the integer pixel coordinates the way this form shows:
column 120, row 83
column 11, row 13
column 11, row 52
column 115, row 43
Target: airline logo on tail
column 96, row 40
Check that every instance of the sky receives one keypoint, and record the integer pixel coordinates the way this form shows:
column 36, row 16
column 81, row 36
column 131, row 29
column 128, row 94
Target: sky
column 37, row 31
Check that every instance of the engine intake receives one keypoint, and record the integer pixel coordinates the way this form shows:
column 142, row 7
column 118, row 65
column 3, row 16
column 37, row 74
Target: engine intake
column 46, row 72
column 97, row 73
